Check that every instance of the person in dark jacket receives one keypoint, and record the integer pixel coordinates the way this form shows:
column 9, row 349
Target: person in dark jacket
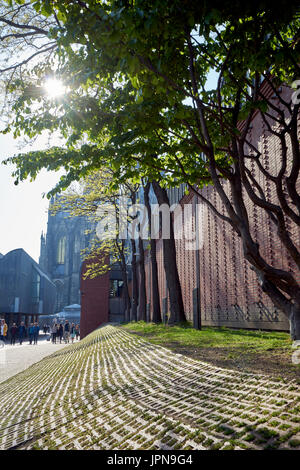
column 60, row 332
column 13, row 334
column 30, row 333
column 72, row 331
column 54, row 332
column 22, row 332
column 67, row 331
column 36, row 331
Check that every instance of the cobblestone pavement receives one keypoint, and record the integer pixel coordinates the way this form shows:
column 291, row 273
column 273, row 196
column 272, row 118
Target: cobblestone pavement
column 114, row 390
column 14, row 359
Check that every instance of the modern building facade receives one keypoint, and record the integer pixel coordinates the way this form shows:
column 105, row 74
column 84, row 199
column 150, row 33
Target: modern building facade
column 26, row 291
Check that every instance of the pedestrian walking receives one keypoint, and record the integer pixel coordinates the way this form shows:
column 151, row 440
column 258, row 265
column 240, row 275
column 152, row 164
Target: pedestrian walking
column 13, row 334
column 54, row 332
column 30, row 333
column 72, row 331
column 60, row 332
column 36, row 331
column 3, row 330
column 77, row 332
column 22, row 332
column 67, row 331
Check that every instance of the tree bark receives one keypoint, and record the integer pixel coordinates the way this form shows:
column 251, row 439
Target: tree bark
column 135, row 289
column 295, row 322
column 173, row 284
column 126, row 297
column 142, row 284
column 156, row 313
column 125, row 283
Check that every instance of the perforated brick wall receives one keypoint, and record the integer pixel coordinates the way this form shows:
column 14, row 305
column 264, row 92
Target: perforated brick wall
column 229, row 290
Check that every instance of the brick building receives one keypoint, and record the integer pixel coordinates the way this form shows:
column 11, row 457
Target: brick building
column 217, row 274
column 94, row 302
column 101, row 299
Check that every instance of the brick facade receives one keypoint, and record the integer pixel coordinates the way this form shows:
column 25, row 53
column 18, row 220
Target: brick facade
column 94, row 302
column 229, row 290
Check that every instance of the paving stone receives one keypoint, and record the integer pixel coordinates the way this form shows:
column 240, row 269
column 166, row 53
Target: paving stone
column 114, row 390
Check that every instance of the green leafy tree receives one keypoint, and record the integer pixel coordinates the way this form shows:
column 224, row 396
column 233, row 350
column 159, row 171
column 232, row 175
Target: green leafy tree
column 139, row 74
column 25, row 42
column 92, row 199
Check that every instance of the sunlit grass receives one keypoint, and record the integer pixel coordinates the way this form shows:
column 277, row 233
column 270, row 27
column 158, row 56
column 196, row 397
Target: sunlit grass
column 209, row 337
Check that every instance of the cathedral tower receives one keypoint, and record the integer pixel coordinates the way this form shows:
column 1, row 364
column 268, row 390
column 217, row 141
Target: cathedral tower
column 60, row 255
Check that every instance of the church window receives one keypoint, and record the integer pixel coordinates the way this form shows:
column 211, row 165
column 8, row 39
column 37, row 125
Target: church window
column 61, row 251
column 77, row 244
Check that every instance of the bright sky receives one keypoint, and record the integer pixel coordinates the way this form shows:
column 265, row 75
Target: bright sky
column 23, row 210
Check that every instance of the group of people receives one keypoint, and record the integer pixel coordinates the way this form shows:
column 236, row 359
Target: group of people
column 59, row 332
column 19, row 332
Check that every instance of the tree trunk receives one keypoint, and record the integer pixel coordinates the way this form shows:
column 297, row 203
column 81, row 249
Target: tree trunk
column 295, row 322
column 126, row 290
column 273, row 285
column 126, row 298
column 135, row 289
column 170, row 265
column 156, row 314
column 142, row 285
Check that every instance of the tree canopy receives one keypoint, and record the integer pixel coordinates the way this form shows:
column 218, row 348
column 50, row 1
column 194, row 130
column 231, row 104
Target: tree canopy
column 139, row 99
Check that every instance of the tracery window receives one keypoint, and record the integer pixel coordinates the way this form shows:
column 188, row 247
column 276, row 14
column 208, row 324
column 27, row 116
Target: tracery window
column 77, row 244
column 61, row 251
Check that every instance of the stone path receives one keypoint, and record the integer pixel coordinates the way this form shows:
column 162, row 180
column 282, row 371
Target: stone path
column 113, row 390
column 14, row 359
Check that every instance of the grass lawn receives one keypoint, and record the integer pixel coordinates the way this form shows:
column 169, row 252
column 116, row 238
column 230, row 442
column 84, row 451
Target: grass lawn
column 253, row 351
